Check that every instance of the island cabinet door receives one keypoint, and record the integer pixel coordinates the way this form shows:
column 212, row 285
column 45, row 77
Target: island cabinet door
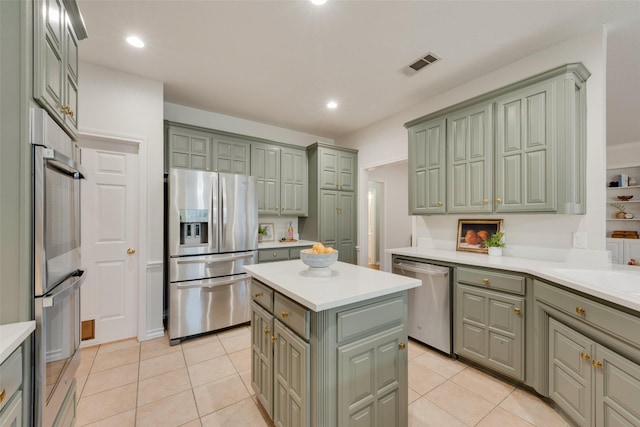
column 291, row 370
column 372, row 380
column 617, row 389
column 262, row 356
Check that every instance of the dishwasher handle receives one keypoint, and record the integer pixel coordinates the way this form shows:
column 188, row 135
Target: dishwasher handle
column 427, row 269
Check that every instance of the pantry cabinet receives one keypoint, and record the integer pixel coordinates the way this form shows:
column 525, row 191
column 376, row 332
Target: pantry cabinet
column 520, row 148
column 332, row 217
column 57, row 28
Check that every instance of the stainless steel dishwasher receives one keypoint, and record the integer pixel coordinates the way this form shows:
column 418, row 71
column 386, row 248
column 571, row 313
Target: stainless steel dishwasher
column 430, row 304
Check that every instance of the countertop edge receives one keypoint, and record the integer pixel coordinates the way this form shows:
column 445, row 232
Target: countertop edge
column 12, row 335
column 278, row 244
column 542, row 270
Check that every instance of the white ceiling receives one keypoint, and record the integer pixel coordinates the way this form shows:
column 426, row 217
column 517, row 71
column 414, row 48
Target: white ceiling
column 279, row 62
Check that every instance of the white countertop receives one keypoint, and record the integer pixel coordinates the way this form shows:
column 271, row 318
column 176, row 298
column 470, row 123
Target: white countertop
column 279, row 244
column 12, row 335
column 619, row 284
column 346, row 284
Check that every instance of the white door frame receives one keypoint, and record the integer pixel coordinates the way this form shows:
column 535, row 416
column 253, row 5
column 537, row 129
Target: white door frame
column 95, row 139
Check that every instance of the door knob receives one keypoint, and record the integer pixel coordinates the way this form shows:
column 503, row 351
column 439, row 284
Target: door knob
column 131, row 251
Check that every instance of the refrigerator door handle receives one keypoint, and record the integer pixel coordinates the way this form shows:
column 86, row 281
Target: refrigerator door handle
column 216, row 260
column 210, row 285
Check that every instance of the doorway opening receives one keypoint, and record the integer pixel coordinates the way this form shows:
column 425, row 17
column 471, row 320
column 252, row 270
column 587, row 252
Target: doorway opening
column 375, row 194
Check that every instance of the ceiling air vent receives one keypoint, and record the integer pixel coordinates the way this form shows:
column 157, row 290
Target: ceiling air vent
column 421, row 63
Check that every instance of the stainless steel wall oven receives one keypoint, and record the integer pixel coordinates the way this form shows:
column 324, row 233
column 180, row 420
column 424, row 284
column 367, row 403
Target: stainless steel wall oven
column 57, row 272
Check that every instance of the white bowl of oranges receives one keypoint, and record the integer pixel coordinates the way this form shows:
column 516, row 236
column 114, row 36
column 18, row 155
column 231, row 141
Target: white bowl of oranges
column 319, row 256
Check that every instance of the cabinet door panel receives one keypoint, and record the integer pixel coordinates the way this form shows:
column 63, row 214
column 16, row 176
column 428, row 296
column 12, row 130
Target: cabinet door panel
column 570, row 373
column 537, row 171
column 231, row 156
column 294, row 182
column 328, row 169
column 347, row 172
column 503, row 351
column 265, row 166
column 427, row 173
column 262, row 356
column 617, row 390
column 346, row 227
column 328, row 217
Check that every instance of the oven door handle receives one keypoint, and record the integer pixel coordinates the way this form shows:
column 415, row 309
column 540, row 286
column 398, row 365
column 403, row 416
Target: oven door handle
column 63, row 163
column 75, row 280
column 216, row 260
column 211, row 285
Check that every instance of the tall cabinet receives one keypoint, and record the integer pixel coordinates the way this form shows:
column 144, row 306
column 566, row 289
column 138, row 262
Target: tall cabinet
column 332, row 216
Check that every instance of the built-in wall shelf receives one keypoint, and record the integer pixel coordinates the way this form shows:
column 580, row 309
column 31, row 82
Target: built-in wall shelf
column 631, row 206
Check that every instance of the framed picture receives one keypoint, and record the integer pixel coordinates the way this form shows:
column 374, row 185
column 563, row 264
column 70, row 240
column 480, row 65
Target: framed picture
column 267, row 232
column 472, row 233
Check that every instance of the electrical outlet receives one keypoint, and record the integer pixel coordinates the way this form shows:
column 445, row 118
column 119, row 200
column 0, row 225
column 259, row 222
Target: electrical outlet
column 580, row 240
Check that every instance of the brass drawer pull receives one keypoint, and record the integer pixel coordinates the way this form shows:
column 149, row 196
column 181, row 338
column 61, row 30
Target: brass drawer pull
column 402, row 346
column 284, row 314
column 258, row 295
column 274, row 339
column 2, row 395
column 585, row 356
column 596, row 364
column 516, row 310
column 580, row 310
column 485, row 281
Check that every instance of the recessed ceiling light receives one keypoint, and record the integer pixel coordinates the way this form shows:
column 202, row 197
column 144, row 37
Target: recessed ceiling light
column 135, row 41
column 318, row 2
column 332, row 105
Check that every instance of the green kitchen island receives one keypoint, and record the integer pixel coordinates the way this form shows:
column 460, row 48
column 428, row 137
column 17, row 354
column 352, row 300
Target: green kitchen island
column 329, row 348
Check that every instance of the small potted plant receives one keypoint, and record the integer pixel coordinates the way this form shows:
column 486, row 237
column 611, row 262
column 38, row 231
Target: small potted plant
column 495, row 243
column 262, row 231
column 620, row 214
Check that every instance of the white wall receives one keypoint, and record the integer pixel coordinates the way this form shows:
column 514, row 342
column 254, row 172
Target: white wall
column 192, row 116
column 623, row 155
column 118, row 105
column 527, row 235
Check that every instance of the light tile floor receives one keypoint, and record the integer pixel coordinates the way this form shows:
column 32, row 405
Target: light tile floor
column 207, row 382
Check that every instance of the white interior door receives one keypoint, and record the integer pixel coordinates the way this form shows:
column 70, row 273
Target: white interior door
column 109, row 241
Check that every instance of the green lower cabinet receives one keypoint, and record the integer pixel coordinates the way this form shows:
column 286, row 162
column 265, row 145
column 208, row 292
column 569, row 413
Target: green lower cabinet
column 371, row 371
column 489, row 329
column 262, row 356
column 594, row 385
column 291, row 370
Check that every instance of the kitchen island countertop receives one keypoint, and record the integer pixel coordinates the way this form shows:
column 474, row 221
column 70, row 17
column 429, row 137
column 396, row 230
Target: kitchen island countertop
column 12, row 335
column 284, row 244
column 344, row 283
column 619, row 284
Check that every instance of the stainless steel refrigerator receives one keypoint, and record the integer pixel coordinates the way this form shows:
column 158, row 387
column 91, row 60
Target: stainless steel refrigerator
column 212, row 232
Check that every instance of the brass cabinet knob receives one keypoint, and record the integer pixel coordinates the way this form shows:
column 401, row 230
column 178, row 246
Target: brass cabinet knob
column 580, row 310
column 277, row 207
column 3, row 393
column 402, row 346
column 585, row 356
column 258, row 295
column 516, row 310
column 131, row 251
column 596, row 364
column 485, row 281
column 284, row 314
column 274, row 339
column 275, row 254
column 266, row 331
column 485, row 201
column 439, row 203
column 498, row 200
column 215, row 170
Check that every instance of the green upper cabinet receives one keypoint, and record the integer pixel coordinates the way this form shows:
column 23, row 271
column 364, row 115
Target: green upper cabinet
column 469, row 160
column 231, row 155
column 427, row 176
column 521, row 148
column 282, row 179
column 294, row 188
column 188, row 148
column 265, row 166
column 525, row 146
column 337, row 169
column 57, row 28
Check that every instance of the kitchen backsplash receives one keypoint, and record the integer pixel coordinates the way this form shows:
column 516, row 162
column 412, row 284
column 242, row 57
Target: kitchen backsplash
column 280, row 225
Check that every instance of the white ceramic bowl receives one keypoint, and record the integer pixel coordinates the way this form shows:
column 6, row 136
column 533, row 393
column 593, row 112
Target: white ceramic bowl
column 318, row 260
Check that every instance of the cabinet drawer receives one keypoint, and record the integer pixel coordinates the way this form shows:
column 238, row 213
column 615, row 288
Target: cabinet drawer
column 616, row 322
column 268, row 255
column 292, row 314
column 294, row 253
column 11, row 376
column 366, row 320
column 262, row 294
column 491, row 280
